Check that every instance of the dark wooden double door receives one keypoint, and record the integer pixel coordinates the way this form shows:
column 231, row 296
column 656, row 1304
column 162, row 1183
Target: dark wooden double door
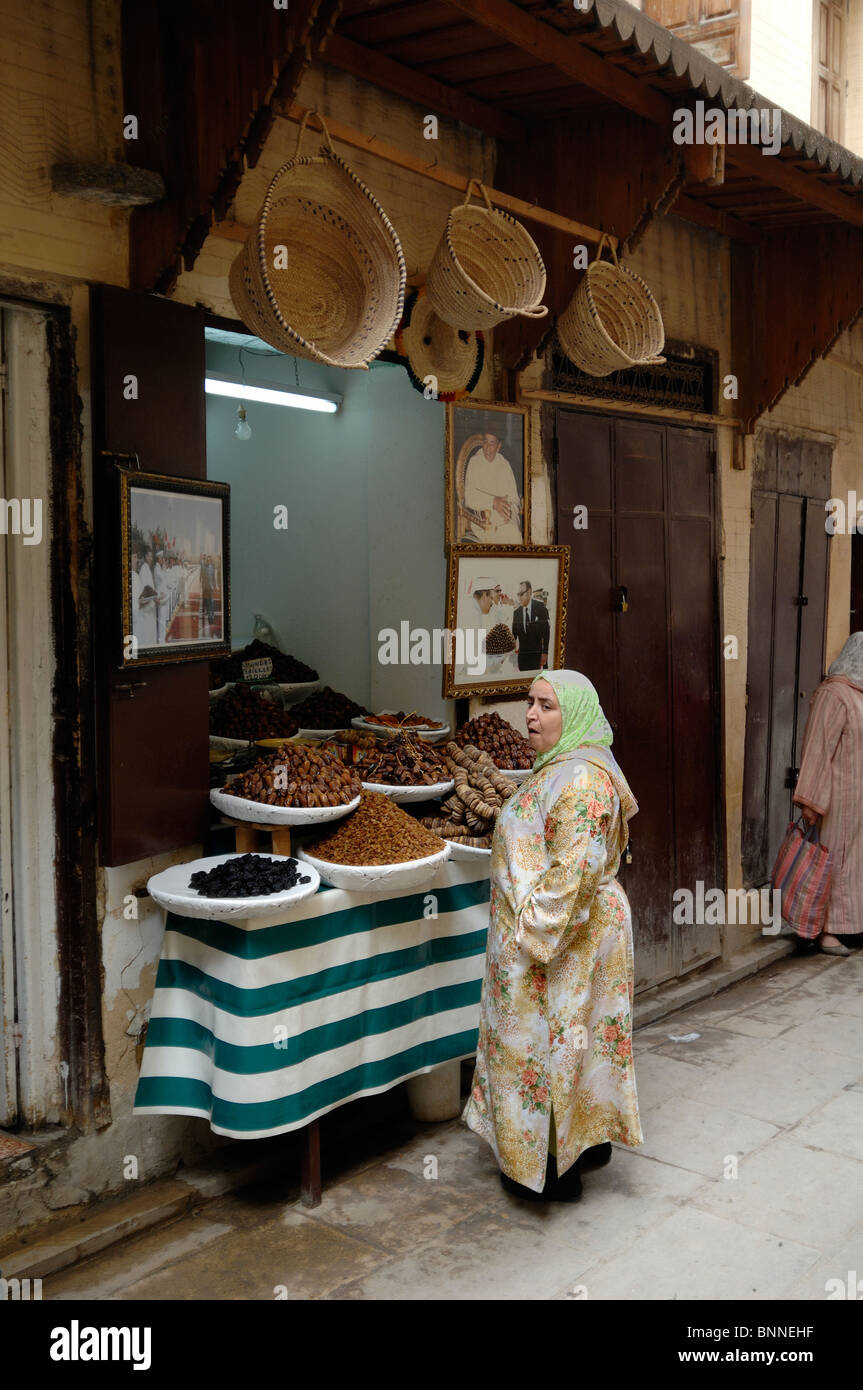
column 788, row 568
column 642, row 624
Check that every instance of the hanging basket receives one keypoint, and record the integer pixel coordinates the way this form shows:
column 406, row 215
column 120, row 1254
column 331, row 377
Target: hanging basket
column 322, row 275
column 485, row 269
column 612, row 321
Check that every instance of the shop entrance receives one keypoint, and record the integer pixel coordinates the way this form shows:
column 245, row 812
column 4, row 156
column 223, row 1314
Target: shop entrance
column 787, row 613
column 635, row 503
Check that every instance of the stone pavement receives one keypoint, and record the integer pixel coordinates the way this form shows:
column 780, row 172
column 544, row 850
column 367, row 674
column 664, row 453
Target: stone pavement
column 749, row 1184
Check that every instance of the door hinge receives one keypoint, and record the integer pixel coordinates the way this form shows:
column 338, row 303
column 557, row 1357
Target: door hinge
column 16, row 1034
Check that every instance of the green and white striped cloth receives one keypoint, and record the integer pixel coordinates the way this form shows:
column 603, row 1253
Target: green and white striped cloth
column 260, row 1027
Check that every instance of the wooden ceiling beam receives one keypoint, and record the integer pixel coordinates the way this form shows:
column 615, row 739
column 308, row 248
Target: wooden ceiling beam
column 569, row 55
column 704, row 215
column 780, row 173
column 418, row 87
column 560, row 50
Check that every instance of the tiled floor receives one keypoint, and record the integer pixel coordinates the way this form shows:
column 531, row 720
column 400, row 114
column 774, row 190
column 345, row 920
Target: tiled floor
column 749, row 1184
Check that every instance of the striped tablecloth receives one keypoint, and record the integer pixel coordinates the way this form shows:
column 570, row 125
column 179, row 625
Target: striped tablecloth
column 261, row 1026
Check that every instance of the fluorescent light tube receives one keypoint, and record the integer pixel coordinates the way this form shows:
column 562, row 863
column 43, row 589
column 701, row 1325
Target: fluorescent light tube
column 267, row 395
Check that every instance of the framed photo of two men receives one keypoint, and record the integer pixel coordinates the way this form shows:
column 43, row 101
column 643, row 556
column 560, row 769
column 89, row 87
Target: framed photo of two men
column 506, row 617
column 487, row 475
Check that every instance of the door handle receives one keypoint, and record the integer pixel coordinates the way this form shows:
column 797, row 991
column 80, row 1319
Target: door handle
column 791, row 775
column 128, row 688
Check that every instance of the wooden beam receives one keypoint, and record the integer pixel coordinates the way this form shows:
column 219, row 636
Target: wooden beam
column 370, row 144
column 419, row 87
column 775, row 170
column 706, row 216
column 568, row 54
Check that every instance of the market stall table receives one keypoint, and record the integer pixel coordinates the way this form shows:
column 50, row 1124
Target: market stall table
column 261, row 1026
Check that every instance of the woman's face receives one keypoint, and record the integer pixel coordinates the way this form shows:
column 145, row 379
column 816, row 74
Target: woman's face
column 544, row 717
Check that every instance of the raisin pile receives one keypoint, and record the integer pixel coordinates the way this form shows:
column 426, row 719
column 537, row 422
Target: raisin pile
column 248, row 876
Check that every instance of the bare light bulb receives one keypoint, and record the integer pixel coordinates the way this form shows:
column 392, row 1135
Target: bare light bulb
column 242, row 430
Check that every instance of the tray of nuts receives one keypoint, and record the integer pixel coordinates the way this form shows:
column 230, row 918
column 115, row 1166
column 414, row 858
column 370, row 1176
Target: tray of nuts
column 296, row 785
column 379, row 849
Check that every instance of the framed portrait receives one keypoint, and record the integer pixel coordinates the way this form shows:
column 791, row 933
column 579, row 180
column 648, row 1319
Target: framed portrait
column 175, row 569
column 487, row 475
column 506, row 616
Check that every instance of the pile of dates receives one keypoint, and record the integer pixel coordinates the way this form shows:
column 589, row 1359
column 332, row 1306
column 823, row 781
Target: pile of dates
column 326, row 709
column 242, row 713
column 405, row 762
column 286, row 668
column 248, row 876
column 505, row 745
column 298, row 775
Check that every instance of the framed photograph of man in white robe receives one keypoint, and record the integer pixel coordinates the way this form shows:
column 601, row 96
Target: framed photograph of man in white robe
column 175, row 572
column 487, row 474
column 506, row 617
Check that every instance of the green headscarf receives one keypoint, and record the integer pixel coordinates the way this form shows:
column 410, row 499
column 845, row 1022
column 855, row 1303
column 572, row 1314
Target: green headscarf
column 583, row 719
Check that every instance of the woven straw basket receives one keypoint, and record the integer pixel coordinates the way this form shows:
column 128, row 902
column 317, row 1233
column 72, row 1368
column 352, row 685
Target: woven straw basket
column 612, row 320
column 341, row 295
column 485, row 269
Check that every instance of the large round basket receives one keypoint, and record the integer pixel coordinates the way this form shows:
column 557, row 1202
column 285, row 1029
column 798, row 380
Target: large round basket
column 322, row 275
column 485, row 269
column 612, row 321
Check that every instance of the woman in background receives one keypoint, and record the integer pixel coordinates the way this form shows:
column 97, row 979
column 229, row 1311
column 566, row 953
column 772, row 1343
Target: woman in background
column 830, row 785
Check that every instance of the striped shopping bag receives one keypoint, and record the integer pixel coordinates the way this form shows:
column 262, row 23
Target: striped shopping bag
column 802, row 876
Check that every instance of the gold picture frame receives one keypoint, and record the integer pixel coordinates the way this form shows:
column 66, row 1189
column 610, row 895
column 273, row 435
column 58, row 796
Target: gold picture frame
column 475, row 572
column 467, row 423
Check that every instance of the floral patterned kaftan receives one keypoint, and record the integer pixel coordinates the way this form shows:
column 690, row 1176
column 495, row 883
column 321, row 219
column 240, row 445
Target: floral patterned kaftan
column 556, row 1010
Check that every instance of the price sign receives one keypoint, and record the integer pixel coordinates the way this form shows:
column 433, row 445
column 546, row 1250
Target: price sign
column 259, row 669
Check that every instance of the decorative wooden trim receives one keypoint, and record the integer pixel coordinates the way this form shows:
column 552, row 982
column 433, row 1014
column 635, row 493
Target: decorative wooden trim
column 604, row 407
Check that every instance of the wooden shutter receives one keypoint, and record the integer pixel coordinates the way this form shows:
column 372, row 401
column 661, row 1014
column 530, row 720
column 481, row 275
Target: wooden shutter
column 720, row 29
column 828, row 68
column 152, row 745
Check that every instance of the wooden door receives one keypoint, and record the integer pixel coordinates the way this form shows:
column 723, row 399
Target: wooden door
column 787, row 617
column 152, row 738
column 648, row 490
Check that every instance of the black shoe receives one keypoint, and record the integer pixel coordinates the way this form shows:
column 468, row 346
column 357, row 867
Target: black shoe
column 564, row 1189
column 517, row 1189
column 595, row 1157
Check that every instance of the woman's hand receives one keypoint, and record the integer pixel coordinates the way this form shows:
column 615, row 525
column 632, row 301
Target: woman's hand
column 809, row 815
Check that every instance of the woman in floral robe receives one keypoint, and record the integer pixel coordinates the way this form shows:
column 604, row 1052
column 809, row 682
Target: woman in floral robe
column 554, row 1055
